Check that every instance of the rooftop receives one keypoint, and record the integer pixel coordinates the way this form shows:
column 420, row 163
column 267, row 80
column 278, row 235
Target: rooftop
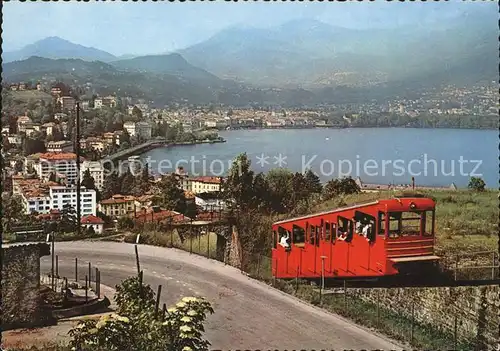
column 91, row 219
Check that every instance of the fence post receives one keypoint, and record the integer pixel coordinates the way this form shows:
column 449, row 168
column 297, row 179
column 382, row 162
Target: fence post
column 208, row 244
column 455, row 332
column 345, row 295
column 493, row 266
column 86, row 289
column 65, row 289
column 140, row 283
column 76, row 269
column 90, row 273
column 137, row 260
column 412, row 321
column 297, row 281
column 190, row 243
column 98, row 283
column 258, row 265
column 171, row 236
column 456, row 267
column 95, row 278
column 378, row 306
column 164, row 310
column 157, row 301
column 199, row 241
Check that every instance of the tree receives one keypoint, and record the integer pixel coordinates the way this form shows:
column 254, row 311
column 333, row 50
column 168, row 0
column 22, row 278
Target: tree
column 137, row 113
column 89, row 183
column 142, row 182
column 12, row 210
column 111, row 186
column 282, row 192
column 336, row 187
column 313, row 183
column 238, row 186
column 68, row 221
column 33, row 146
column 171, row 195
column 476, row 184
column 52, row 177
column 138, row 326
column 127, row 181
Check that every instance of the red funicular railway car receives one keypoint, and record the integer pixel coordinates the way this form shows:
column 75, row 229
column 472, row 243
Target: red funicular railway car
column 381, row 238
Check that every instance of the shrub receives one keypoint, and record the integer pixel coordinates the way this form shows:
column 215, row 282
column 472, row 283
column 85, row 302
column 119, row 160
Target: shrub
column 137, row 325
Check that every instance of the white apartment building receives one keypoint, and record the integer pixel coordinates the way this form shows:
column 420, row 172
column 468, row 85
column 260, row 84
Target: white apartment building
column 140, row 129
column 96, row 170
column 130, row 128
column 42, row 201
column 63, row 195
column 143, row 130
column 58, row 163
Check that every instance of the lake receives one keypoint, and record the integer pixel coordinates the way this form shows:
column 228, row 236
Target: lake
column 435, row 157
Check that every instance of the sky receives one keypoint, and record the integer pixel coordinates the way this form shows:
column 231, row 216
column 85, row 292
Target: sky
column 140, row 28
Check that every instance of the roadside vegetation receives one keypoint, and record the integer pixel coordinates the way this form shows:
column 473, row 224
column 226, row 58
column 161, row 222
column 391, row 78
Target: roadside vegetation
column 140, row 324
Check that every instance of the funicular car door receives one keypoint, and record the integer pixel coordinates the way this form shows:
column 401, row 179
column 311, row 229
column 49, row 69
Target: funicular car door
column 327, row 244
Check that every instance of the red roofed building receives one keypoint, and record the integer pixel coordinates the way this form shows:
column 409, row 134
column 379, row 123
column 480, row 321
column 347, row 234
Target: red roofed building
column 58, row 163
column 204, row 184
column 94, row 222
column 156, row 214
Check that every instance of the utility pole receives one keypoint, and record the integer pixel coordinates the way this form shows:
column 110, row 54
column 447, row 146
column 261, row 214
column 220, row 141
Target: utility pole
column 78, row 180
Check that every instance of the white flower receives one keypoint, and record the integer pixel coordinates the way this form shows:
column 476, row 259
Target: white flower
column 185, row 328
column 185, row 319
column 181, row 304
column 172, row 310
column 101, row 323
column 192, row 313
column 187, row 348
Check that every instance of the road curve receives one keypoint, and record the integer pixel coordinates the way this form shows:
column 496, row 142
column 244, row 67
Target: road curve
column 248, row 314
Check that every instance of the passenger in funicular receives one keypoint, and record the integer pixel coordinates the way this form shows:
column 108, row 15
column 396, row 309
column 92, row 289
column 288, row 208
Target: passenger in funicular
column 285, row 240
column 341, row 235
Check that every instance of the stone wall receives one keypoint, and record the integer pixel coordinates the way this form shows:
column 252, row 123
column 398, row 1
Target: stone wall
column 476, row 309
column 233, row 249
column 21, row 300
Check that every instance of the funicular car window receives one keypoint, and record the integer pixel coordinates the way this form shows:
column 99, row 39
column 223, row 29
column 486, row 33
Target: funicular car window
column 312, row 234
column 364, row 225
column 428, row 223
column 381, row 223
column 345, row 229
column 298, row 235
column 327, row 232
column 284, row 237
column 404, row 223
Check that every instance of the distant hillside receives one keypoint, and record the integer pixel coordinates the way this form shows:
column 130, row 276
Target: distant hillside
column 159, row 89
column 312, row 54
column 57, row 48
column 173, row 64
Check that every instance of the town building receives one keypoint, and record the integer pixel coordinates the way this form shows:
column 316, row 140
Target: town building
column 63, row 146
column 130, row 128
column 91, row 221
column 143, row 130
column 67, row 103
column 203, row 184
column 42, row 197
column 21, row 122
column 210, row 201
column 117, row 206
column 48, row 128
column 96, row 170
column 58, row 163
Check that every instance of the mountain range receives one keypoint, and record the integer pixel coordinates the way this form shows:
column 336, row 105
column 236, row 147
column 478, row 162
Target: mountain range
column 299, row 58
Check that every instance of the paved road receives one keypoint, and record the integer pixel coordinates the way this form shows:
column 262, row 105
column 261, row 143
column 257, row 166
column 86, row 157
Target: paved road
column 248, row 314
